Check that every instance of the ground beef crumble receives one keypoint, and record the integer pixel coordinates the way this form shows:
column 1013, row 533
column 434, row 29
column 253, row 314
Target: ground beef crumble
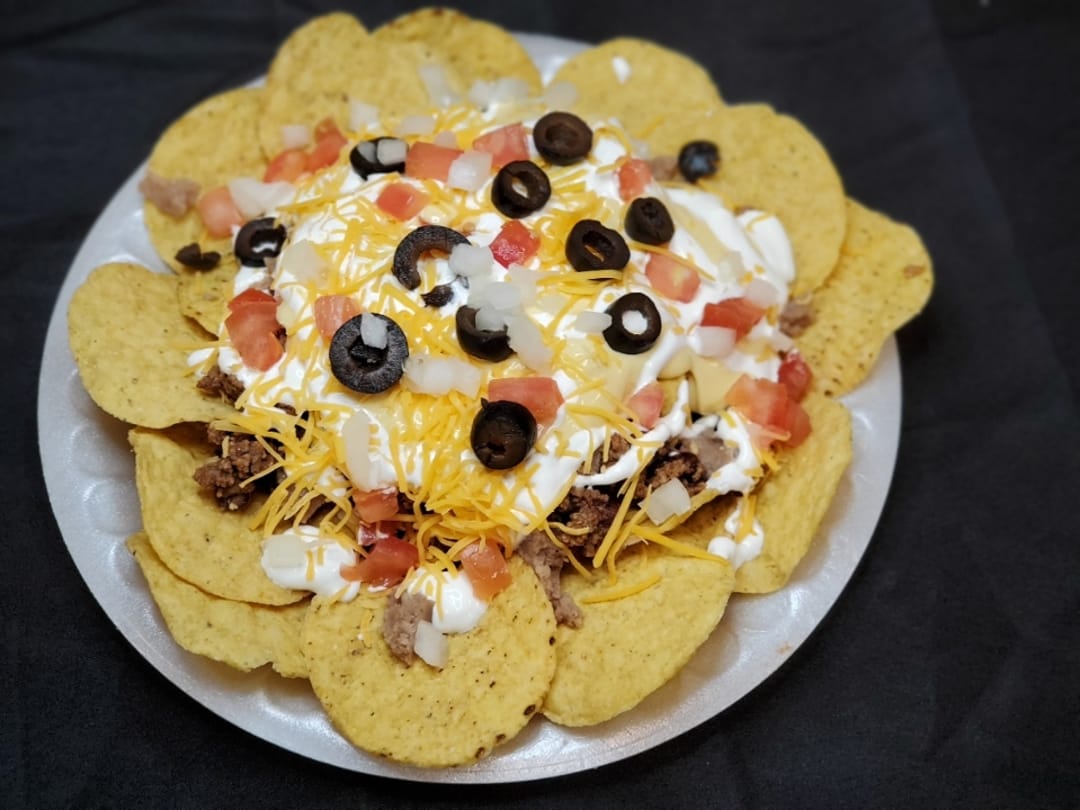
column 242, row 457
column 403, row 615
column 547, row 560
column 796, row 316
column 216, row 382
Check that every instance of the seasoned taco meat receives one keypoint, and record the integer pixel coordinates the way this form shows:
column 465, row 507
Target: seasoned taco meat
column 547, row 560
column 400, row 621
column 796, row 316
column 242, row 457
column 216, row 382
column 174, row 197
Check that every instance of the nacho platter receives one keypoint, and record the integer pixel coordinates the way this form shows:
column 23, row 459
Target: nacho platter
column 758, row 635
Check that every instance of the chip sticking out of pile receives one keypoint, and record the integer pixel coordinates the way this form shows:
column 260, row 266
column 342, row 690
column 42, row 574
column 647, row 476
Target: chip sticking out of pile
column 638, row 610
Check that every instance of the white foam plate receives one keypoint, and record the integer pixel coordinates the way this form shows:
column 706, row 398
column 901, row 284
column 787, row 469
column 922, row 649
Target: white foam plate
column 89, row 473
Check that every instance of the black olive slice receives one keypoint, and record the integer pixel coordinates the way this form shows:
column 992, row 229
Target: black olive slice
column 192, row 256
column 417, row 243
column 520, row 188
column 591, row 246
column 562, row 138
column 633, row 338
column 364, row 158
column 503, row 433
column 258, row 241
column 487, row 344
column 699, row 159
column 438, row 296
column 364, row 368
column 648, row 221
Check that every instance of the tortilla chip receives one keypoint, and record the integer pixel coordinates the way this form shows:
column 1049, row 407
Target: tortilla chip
column 494, row 681
column 201, row 543
column 468, row 50
column 773, row 163
column 639, row 83
column 884, row 279
column 203, row 295
column 329, row 62
column 212, row 143
column 628, row 648
column 131, row 345
column 239, row 634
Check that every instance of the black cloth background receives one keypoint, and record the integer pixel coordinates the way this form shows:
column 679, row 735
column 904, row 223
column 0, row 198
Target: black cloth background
column 947, row 674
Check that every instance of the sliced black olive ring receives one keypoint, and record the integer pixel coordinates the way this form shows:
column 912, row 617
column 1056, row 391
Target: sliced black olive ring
column 562, row 138
column 438, row 296
column 625, row 338
column 365, row 161
column 591, row 246
column 520, row 188
column 417, row 243
column 699, row 159
column 503, row 433
column 487, row 344
column 363, row 368
column 193, row 256
column 258, row 241
column 648, row 221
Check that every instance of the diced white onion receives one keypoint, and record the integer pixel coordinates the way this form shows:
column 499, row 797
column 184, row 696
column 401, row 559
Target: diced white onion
column 431, row 645
column 528, row 341
column 373, row 331
column 500, row 91
column 469, row 171
column 356, row 438
column 295, row 136
column 254, row 198
column 446, row 138
column 389, row 151
column 416, row 125
column 526, row 282
column 438, row 86
column 715, row 341
column 668, row 500
column 502, row 295
column 560, row 95
column 362, row 116
column 470, row 260
column 592, row 322
column 490, row 319
column 761, row 293
column 304, row 262
column 439, row 376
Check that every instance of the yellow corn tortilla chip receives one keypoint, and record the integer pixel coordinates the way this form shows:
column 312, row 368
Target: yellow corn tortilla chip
column 884, row 278
column 468, row 50
column 199, row 542
column 773, row 163
column 212, row 143
column 239, row 634
column 791, row 502
column 131, row 345
column 494, row 681
column 329, row 62
column 639, row 83
column 628, row 648
column 203, row 295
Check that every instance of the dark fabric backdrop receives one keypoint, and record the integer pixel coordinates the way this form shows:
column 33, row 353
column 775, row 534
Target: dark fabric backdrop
column 947, row 675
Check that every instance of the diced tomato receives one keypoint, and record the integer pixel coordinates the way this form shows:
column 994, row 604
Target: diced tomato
column 646, row 404
column 218, row 212
column 368, row 534
column 769, row 406
column 796, row 375
column 671, row 279
column 254, row 335
column 386, row 564
column 428, row 161
column 376, row 505
column 328, row 145
column 402, row 201
column 486, row 568
column 540, row 395
column 515, row 244
column 733, row 313
column 633, row 175
column 252, row 297
column 331, row 311
column 288, row 165
column 505, row 144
